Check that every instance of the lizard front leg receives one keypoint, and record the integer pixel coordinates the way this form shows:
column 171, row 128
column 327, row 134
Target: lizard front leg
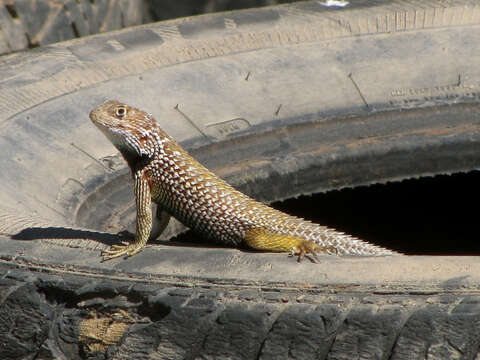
column 143, row 200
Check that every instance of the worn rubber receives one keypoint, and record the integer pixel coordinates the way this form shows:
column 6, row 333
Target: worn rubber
column 27, row 24
column 279, row 101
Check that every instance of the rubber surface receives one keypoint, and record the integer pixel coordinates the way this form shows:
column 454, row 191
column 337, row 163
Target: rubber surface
column 27, row 24
column 279, row 101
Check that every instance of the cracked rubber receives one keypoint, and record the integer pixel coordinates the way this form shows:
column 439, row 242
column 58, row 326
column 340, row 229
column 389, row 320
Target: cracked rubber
column 279, row 101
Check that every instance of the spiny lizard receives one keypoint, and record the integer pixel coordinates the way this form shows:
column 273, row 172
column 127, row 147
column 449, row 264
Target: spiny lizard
column 168, row 175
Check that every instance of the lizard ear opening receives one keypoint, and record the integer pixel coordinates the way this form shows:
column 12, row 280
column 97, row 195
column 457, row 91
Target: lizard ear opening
column 120, row 112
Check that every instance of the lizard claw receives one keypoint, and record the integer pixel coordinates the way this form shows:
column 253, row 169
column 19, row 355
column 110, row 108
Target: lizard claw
column 121, row 250
column 310, row 249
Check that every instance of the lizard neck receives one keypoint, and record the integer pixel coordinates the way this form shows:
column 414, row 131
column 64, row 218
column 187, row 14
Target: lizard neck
column 135, row 161
column 140, row 150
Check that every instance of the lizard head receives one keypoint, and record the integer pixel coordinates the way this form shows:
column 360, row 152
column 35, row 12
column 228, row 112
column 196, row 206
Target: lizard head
column 134, row 132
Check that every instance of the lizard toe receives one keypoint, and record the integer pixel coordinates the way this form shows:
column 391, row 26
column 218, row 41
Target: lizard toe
column 309, row 249
column 121, row 250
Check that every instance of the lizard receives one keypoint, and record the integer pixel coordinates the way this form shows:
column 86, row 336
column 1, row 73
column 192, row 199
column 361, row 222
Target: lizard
column 163, row 172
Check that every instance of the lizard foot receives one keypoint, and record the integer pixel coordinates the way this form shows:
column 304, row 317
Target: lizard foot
column 310, row 249
column 121, row 250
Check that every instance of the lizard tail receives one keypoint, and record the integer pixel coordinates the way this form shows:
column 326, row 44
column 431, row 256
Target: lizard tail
column 329, row 238
column 348, row 245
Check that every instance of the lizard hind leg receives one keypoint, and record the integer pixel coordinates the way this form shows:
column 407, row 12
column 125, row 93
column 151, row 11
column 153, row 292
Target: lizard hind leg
column 262, row 239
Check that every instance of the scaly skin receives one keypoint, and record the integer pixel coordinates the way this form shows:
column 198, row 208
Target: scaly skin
column 168, row 175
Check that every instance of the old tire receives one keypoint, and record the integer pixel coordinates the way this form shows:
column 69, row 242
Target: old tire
column 280, row 101
column 27, row 24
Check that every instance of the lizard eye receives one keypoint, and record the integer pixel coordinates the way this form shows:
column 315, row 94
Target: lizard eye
column 120, row 112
